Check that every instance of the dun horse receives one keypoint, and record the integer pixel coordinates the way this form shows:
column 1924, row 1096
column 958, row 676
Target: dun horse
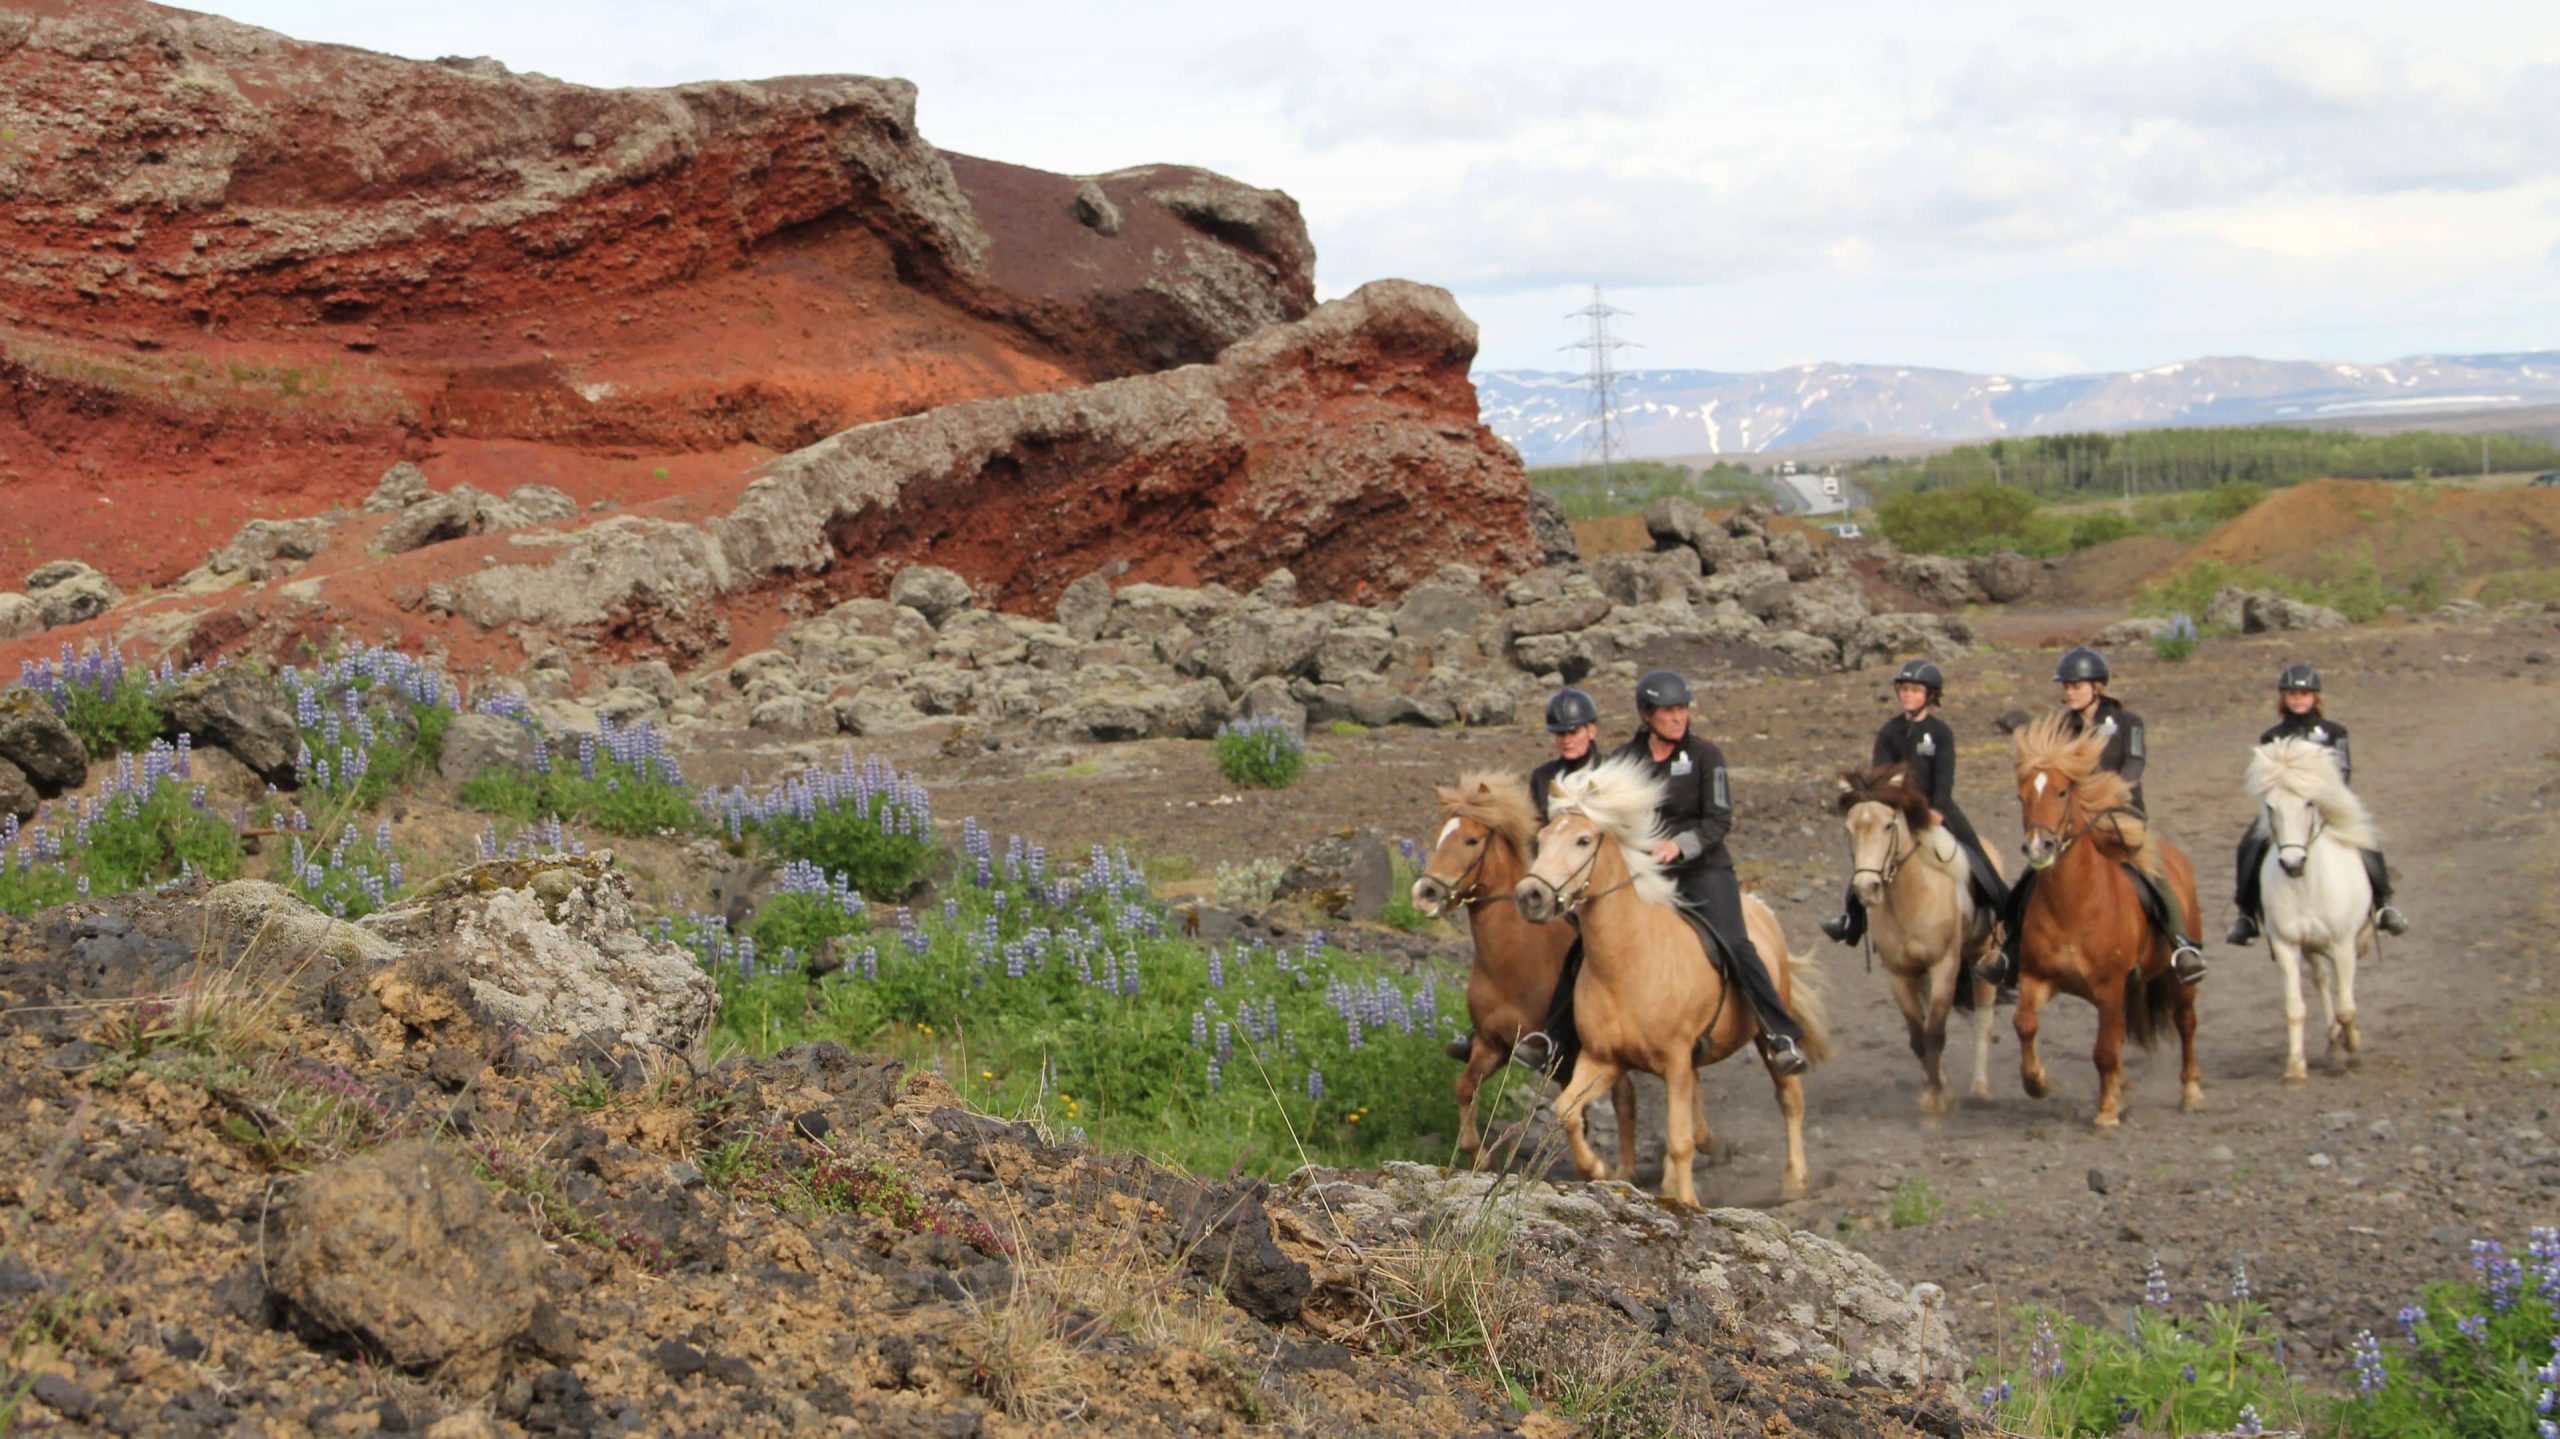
column 1923, row 923
column 2085, row 932
column 1648, row 997
column 2317, row 898
column 1487, row 823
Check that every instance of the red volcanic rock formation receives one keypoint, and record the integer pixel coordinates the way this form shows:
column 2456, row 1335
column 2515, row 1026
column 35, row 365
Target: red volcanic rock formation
column 240, row 274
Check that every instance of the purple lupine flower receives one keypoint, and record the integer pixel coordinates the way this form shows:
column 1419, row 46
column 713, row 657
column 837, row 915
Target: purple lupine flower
column 2411, row 1316
column 2155, row 1285
column 2240, row 1278
column 1315, row 1085
column 2372, row 1375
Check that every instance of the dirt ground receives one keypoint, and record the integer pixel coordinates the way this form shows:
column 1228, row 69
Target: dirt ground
column 2344, row 1194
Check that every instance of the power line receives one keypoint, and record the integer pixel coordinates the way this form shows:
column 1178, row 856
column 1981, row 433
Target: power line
column 1606, row 442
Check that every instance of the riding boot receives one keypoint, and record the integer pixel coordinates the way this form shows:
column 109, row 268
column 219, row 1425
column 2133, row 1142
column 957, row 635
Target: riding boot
column 2244, row 888
column 1461, row 1048
column 2385, row 917
column 1850, row 924
column 2002, row 968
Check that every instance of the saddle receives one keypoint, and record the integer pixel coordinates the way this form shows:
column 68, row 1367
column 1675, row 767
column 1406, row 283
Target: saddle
column 1719, row 953
column 2158, row 905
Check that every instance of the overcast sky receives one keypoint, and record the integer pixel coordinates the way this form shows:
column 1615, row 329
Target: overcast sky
column 2032, row 189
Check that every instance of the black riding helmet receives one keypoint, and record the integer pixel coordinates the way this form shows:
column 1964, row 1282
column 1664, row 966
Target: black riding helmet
column 2299, row 677
column 1569, row 710
column 1661, row 689
column 1921, row 672
column 2083, row 663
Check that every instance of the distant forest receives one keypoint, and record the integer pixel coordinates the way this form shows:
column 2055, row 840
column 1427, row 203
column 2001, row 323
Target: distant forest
column 2157, row 461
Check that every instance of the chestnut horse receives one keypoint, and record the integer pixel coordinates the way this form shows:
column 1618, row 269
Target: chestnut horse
column 1923, row 923
column 1487, row 822
column 1649, row 998
column 2084, row 930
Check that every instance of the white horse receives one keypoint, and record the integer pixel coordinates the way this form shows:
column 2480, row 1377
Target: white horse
column 2312, row 886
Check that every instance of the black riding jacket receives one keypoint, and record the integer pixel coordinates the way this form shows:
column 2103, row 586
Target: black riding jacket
column 1697, row 800
column 1544, row 776
column 2126, row 752
column 2319, row 731
column 1928, row 746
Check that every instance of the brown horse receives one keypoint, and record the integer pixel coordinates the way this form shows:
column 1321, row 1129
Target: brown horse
column 1487, row 822
column 1923, row 922
column 2084, row 930
column 1649, row 998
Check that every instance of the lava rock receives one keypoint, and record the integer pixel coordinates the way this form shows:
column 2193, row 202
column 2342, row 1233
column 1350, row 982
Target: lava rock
column 35, row 739
column 403, row 1253
column 238, row 710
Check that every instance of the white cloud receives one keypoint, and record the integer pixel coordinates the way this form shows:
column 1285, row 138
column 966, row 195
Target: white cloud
column 1992, row 185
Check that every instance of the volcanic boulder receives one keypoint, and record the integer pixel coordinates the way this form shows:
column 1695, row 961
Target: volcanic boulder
column 551, row 943
column 403, row 1253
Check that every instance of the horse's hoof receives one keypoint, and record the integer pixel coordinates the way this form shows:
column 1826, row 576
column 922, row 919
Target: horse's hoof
column 1981, row 1089
column 2107, row 1123
column 2037, row 1086
column 2192, row 1099
column 1790, row 1189
column 1933, row 1103
column 2297, row 1073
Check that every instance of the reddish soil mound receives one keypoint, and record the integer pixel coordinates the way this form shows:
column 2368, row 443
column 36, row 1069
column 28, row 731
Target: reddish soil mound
column 245, row 274
column 2322, row 531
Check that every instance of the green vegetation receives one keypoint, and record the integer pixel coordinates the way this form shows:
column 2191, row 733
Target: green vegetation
column 1261, row 753
column 2356, row 588
column 2471, row 1357
column 1976, row 519
column 2153, row 461
column 1916, row 1204
column 1071, row 999
column 1588, row 493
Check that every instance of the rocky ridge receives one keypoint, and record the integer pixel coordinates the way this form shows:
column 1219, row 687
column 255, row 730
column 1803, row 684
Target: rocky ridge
column 356, row 1190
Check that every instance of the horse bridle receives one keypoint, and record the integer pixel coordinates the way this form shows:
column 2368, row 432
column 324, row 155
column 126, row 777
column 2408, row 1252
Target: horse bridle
column 2319, row 824
column 2063, row 834
column 1580, row 877
column 1893, row 862
column 1462, row 890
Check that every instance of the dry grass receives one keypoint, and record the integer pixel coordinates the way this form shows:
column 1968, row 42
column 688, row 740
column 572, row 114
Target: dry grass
column 1025, row 1351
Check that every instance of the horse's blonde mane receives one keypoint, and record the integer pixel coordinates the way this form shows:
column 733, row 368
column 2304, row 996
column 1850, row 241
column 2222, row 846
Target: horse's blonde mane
column 2308, row 771
column 2048, row 743
column 1621, row 796
column 1498, row 801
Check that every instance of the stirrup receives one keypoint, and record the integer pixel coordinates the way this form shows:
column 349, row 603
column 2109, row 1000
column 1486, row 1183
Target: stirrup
column 1545, row 1046
column 2188, row 962
column 1994, row 969
column 2390, row 920
column 1785, row 1056
column 2244, row 930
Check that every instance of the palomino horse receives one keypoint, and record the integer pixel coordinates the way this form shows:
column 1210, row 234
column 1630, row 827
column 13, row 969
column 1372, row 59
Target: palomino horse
column 1913, row 878
column 2313, row 888
column 2084, row 930
column 1487, row 823
column 1649, row 998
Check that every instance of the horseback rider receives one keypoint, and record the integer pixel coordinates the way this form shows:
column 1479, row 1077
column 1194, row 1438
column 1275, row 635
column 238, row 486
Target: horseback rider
column 2083, row 676
column 2298, row 716
column 1919, row 738
column 1696, row 814
column 1573, row 718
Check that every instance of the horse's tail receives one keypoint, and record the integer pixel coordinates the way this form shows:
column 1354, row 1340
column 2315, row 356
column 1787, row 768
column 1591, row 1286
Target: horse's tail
column 1805, row 995
column 2150, row 1006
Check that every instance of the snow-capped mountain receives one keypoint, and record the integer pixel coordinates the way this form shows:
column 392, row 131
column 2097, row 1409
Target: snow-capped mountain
column 1547, row 416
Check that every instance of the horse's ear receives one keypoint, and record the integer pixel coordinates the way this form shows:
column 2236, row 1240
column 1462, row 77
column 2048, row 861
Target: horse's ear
column 1484, row 788
column 1844, row 784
